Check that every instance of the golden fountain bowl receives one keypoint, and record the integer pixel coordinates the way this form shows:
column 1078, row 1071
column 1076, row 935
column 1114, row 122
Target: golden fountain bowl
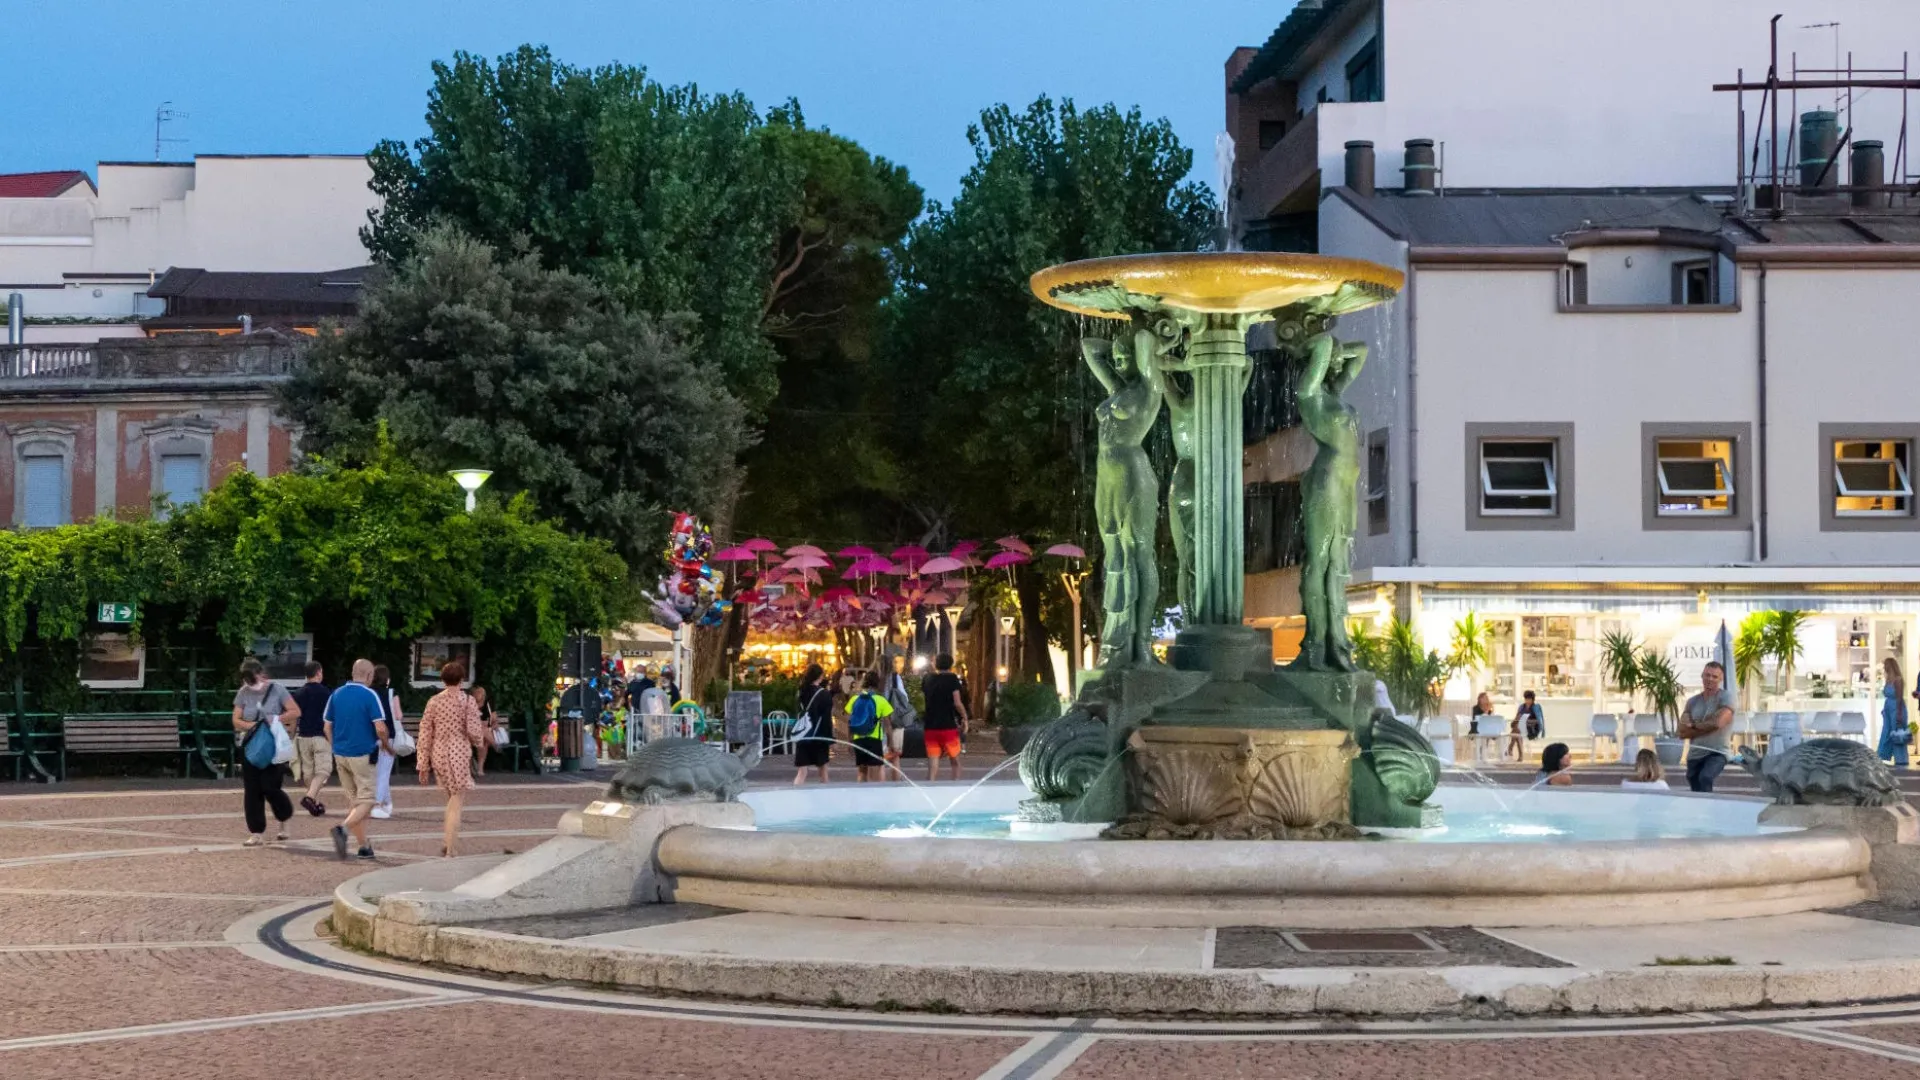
column 1208, row 281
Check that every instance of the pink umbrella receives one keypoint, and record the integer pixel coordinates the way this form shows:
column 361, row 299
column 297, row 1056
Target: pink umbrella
column 954, row 584
column 733, row 554
column 941, row 564
column 1070, row 551
column 760, row 543
column 961, row 549
column 1007, row 558
column 1012, row 543
column 870, row 564
column 789, row 600
column 807, row 562
column 838, row 592
column 804, row 549
column 852, row 551
column 936, row 597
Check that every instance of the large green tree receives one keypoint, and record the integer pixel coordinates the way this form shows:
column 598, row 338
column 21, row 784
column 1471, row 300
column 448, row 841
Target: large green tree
column 995, row 415
column 667, row 196
column 601, row 414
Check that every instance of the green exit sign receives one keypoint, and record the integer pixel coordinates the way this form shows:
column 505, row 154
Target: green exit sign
column 115, row 613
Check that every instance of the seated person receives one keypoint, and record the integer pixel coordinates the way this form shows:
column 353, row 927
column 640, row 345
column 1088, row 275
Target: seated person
column 1647, row 773
column 1556, row 766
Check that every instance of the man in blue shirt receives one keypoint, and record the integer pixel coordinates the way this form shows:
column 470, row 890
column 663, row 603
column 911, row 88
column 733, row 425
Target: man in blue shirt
column 356, row 726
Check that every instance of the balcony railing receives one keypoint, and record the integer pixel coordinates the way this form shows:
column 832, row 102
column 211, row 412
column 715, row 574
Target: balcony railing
column 266, row 356
column 1278, row 177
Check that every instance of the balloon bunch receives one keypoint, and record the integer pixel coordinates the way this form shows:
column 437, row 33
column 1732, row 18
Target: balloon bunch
column 690, row 594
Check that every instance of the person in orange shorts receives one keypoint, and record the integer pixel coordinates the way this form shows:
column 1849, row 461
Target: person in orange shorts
column 946, row 716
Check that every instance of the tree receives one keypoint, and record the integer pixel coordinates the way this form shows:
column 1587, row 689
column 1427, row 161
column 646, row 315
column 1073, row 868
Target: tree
column 999, row 435
column 669, row 197
column 1620, row 663
column 1471, row 648
column 1780, row 636
column 1416, row 677
column 600, row 414
column 1750, row 654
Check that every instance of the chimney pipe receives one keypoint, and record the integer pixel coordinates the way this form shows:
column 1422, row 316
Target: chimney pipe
column 1819, row 140
column 1419, row 170
column 16, row 318
column 246, row 324
column 1360, row 167
column 1868, row 174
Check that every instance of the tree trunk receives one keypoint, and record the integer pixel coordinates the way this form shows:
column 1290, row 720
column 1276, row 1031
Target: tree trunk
column 979, row 658
column 1034, row 661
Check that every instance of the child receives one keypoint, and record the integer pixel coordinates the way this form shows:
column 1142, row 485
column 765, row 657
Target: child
column 869, row 730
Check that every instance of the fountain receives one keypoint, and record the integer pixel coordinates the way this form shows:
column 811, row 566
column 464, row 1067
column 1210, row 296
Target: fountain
column 1220, row 744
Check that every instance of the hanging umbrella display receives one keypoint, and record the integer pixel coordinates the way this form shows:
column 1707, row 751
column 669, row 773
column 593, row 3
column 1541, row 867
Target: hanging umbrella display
column 1005, row 559
column 870, row 564
column 854, row 551
column 804, row 549
column 964, row 548
column 760, row 543
column 1013, row 543
column 941, row 564
column 807, row 562
column 1067, row 551
column 738, row 553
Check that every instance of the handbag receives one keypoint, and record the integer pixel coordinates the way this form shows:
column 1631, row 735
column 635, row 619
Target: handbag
column 260, row 746
column 401, row 743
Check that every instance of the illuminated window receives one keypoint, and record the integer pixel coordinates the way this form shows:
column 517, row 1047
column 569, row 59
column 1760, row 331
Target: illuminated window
column 1870, row 478
column 1696, row 477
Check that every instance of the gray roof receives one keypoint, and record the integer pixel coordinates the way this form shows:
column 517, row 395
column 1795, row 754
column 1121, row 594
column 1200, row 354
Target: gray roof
column 325, row 287
column 1298, row 30
column 1535, row 218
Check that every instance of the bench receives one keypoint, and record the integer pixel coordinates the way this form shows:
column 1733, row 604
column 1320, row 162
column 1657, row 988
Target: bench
column 122, row 733
column 7, row 750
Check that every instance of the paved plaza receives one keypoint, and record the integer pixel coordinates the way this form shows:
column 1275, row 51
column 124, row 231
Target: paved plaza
column 139, row 939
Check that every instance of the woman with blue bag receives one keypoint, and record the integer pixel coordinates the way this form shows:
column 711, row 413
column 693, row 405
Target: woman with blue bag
column 1894, row 733
column 262, row 709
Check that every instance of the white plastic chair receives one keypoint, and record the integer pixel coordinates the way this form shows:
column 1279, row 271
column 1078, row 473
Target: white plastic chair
column 1742, row 732
column 1853, row 726
column 1604, row 726
column 1783, row 732
column 1439, row 732
column 1641, row 729
column 1825, row 725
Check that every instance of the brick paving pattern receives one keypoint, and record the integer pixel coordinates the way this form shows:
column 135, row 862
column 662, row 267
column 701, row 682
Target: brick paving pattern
column 99, row 932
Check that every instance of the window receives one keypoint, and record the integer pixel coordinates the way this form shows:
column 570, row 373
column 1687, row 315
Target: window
column 1574, row 284
column 1695, row 476
column 182, row 478
column 43, row 486
column 1320, row 96
column 1363, row 74
column 1271, row 132
column 1518, row 478
column 1377, row 485
column 1693, row 282
column 1870, row 478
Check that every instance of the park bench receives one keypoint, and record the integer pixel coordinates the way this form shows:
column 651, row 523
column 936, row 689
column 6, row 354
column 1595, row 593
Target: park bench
column 122, row 733
column 7, row 750
column 516, row 750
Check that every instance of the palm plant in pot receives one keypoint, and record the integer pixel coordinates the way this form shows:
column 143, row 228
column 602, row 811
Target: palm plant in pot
column 1415, row 677
column 1471, row 649
column 1661, row 683
column 1620, row 662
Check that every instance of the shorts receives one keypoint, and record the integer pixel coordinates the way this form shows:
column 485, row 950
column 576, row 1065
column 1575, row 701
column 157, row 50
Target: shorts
column 943, row 741
column 811, row 753
column 869, row 752
column 356, row 779
column 315, row 755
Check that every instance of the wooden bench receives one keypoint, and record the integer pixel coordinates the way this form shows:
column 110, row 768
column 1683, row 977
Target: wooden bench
column 7, row 750
column 122, row 733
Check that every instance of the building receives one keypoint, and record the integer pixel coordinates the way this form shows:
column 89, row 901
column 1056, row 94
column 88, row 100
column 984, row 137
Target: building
column 1627, row 387
column 83, row 257
column 109, row 427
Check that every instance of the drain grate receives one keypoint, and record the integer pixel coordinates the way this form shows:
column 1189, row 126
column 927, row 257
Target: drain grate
column 1364, row 941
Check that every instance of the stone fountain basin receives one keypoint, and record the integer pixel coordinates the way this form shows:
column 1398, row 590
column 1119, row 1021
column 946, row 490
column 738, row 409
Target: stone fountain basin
column 1335, row 885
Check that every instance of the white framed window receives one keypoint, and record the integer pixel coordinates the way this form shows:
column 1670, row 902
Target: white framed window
column 1519, row 478
column 1693, row 282
column 1871, row 478
column 430, row 654
column 284, row 658
column 1696, row 477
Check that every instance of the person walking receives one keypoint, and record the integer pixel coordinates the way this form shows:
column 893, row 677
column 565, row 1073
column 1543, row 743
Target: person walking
column 451, row 734
column 310, row 747
column 257, row 703
column 869, row 730
column 1704, row 720
column 946, row 716
column 1894, row 732
column 383, row 769
column 356, row 728
column 813, row 728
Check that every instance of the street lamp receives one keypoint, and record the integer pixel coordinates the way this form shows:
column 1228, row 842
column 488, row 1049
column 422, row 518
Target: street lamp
column 469, row 481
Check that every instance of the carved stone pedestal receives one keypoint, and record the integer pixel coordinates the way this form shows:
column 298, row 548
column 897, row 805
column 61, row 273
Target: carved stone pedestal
column 1238, row 784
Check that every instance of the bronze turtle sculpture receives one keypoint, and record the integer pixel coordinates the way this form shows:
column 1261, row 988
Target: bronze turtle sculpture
column 1824, row 772
column 684, row 770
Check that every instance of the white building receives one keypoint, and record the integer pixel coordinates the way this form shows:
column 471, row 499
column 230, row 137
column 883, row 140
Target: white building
column 82, row 256
column 1613, row 395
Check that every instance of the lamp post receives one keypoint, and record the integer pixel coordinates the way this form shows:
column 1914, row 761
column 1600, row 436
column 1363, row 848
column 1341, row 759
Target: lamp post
column 469, row 481
column 1006, row 638
column 954, row 612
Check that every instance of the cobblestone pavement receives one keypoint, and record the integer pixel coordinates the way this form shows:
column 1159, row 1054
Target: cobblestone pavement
column 138, row 939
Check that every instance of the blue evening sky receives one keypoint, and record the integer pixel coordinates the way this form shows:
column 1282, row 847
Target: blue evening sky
column 904, row 77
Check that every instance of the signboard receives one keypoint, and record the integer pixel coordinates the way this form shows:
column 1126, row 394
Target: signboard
column 114, row 613
column 743, row 716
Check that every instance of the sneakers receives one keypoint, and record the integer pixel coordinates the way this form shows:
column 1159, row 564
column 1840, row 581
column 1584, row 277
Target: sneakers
column 280, row 837
column 383, row 811
column 313, row 806
column 255, row 840
column 366, row 852
column 340, row 841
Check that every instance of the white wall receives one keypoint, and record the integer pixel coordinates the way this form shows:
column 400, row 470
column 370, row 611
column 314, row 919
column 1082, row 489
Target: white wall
column 1492, row 347
column 1649, row 280
column 1329, row 72
column 1528, row 93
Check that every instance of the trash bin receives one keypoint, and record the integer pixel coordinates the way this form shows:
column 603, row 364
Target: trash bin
column 572, row 740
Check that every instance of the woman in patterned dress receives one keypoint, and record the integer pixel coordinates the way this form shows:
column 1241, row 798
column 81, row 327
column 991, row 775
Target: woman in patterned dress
column 450, row 732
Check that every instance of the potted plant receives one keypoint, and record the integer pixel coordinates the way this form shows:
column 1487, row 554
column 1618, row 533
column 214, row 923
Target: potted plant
column 1471, row 649
column 1620, row 662
column 1750, row 656
column 1416, row 678
column 1657, row 679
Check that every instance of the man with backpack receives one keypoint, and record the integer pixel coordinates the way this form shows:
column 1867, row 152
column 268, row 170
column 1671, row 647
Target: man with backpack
column 869, row 729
